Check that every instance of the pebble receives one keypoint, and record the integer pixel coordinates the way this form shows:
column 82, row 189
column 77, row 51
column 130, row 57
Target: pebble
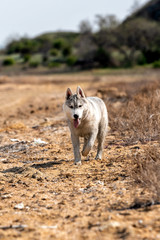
column 19, row 206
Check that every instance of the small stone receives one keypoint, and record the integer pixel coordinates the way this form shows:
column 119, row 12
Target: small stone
column 19, row 206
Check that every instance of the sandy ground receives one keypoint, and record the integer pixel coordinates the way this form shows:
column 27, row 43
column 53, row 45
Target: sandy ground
column 43, row 195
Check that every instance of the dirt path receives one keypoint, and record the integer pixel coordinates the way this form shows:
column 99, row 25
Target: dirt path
column 43, row 194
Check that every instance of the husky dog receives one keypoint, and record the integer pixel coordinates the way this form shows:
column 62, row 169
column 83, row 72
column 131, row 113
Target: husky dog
column 87, row 117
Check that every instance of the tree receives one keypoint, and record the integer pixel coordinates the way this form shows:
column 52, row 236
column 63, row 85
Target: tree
column 106, row 22
column 135, row 7
column 85, row 27
column 104, row 39
column 139, row 34
column 85, row 46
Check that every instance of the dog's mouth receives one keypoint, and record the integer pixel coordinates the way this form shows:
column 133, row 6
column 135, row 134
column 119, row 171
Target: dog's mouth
column 76, row 122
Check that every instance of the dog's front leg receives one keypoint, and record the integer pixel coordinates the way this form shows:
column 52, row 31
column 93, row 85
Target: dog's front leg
column 88, row 146
column 76, row 146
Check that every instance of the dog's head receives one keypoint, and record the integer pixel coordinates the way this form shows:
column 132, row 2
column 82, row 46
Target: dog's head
column 75, row 106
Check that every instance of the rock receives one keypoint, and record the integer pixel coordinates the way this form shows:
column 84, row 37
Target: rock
column 19, row 206
column 39, row 141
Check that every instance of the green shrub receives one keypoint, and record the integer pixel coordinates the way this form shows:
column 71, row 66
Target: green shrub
column 156, row 64
column 53, row 64
column 59, row 44
column 102, row 57
column 53, row 52
column 26, row 58
column 8, row 62
column 141, row 59
column 71, row 60
column 34, row 64
column 66, row 51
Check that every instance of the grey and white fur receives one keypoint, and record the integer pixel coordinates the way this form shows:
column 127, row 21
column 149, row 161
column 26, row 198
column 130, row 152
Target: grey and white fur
column 87, row 117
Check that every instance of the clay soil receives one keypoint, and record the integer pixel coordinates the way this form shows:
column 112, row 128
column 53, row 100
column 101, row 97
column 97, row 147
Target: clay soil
column 43, row 195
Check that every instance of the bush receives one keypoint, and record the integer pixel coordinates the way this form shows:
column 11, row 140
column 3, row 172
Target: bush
column 26, row 58
column 23, row 46
column 53, row 64
column 138, row 117
column 66, row 51
column 8, row 62
column 54, row 52
column 156, row 64
column 102, row 57
column 59, row 44
column 141, row 59
column 146, row 173
column 71, row 60
column 34, row 64
column 141, row 117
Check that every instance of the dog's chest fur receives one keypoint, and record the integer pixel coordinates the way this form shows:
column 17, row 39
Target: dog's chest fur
column 85, row 129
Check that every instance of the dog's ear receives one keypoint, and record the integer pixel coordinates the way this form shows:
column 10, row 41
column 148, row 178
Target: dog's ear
column 68, row 93
column 80, row 92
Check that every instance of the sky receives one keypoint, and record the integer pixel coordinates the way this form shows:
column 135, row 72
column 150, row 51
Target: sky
column 33, row 17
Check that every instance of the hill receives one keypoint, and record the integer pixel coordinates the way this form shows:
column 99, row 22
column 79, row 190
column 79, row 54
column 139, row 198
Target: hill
column 150, row 11
column 56, row 35
column 114, row 45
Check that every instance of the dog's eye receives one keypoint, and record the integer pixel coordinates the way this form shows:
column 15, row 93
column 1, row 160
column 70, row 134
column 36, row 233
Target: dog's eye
column 71, row 106
column 80, row 106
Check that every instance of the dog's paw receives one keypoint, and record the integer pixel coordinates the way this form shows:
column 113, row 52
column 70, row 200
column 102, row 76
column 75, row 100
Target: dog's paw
column 85, row 152
column 98, row 157
column 77, row 163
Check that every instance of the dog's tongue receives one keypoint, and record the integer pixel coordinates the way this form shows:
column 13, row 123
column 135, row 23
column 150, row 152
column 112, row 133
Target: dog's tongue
column 76, row 123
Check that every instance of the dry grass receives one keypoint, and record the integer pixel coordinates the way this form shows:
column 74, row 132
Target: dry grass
column 138, row 118
column 146, row 173
column 134, row 112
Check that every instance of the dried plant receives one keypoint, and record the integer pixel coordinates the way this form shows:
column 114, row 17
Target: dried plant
column 138, row 119
column 146, row 173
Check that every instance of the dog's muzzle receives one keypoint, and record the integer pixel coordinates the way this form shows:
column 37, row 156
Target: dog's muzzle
column 76, row 120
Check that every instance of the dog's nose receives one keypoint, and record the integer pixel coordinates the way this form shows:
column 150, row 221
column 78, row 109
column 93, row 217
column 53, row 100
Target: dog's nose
column 75, row 116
